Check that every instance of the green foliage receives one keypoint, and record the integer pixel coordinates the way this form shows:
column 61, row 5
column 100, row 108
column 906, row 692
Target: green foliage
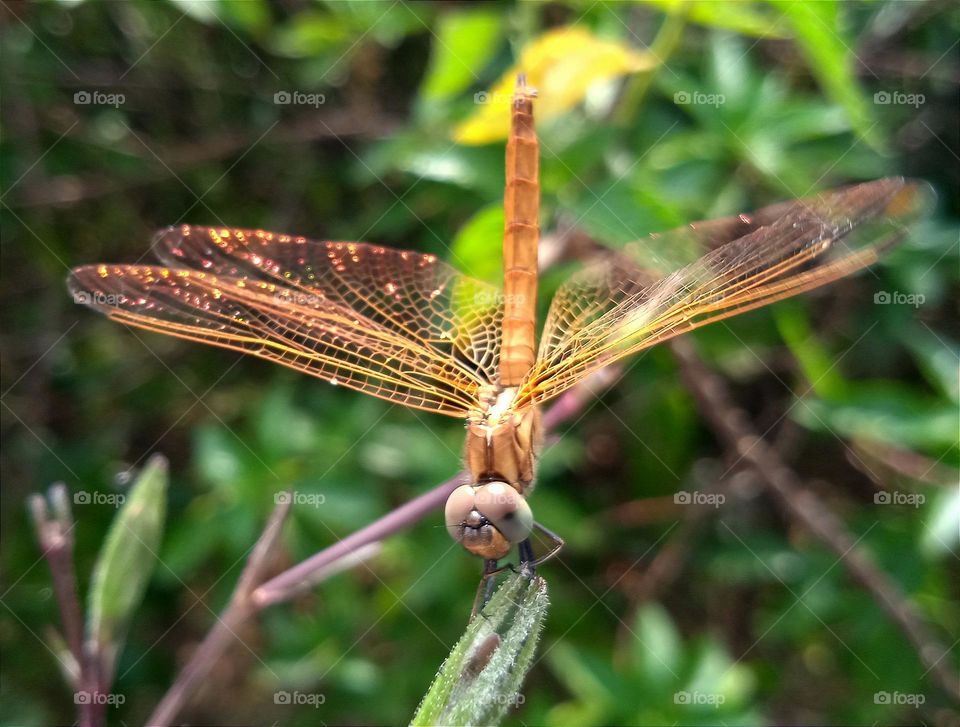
column 466, row 42
column 747, row 103
column 886, row 411
column 751, row 19
column 483, row 676
column 662, row 681
column 818, row 33
column 472, row 246
column 126, row 562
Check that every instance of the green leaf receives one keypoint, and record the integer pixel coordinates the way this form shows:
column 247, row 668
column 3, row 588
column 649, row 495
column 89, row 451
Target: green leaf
column 742, row 17
column 309, row 33
column 481, row 678
column 200, row 10
column 464, row 43
column 385, row 20
column 618, row 214
column 717, row 674
column 282, row 427
column 818, row 365
column 886, row 411
column 937, row 357
column 252, row 16
column 657, row 649
column 583, row 677
column 941, row 534
column 126, row 561
column 219, row 458
column 801, row 120
column 818, row 34
column 477, row 246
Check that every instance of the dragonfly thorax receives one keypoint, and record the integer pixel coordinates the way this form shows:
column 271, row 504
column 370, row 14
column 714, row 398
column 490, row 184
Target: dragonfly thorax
column 490, row 515
column 502, row 442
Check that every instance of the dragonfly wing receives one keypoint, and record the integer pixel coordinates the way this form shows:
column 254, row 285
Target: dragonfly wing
column 400, row 325
column 617, row 306
column 661, row 253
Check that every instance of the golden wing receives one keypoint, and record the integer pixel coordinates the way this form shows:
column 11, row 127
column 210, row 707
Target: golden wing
column 618, row 306
column 396, row 324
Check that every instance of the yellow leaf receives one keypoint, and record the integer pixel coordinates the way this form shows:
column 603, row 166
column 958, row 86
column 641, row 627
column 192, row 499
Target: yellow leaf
column 562, row 65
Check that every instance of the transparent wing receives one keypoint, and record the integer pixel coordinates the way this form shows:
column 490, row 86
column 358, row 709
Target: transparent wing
column 639, row 297
column 400, row 325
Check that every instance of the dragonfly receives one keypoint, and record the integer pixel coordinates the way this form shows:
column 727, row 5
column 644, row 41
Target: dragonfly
column 407, row 327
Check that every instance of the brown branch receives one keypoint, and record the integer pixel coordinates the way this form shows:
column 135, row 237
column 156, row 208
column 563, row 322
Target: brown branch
column 900, row 462
column 294, row 580
column 733, row 427
column 238, row 610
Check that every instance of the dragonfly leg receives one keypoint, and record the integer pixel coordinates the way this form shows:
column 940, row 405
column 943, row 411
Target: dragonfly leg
column 527, row 557
column 528, row 563
column 557, row 544
column 485, row 589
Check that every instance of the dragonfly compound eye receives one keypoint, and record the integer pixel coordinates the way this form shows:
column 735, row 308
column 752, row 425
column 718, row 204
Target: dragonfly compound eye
column 485, row 519
column 505, row 509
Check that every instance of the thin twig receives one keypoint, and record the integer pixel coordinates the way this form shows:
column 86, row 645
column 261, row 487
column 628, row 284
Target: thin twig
column 734, row 428
column 56, row 541
column 903, row 463
column 55, row 535
column 292, row 581
column 238, row 610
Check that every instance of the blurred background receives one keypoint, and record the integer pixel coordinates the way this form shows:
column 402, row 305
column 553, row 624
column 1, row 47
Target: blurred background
column 122, row 117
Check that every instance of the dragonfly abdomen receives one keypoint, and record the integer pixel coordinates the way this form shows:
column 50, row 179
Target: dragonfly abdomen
column 521, row 235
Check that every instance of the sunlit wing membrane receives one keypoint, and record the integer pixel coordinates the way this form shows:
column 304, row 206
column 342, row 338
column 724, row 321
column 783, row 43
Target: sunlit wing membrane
column 400, row 325
column 661, row 253
column 616, row 307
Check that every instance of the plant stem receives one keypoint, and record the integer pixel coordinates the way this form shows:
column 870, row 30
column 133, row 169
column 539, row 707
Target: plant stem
column 664, row 44
column 238, row 610
column 55, row 535
column 733, row 427
column 294, row 580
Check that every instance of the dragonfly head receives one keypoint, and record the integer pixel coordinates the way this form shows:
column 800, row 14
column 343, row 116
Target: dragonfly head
column 488, row 519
